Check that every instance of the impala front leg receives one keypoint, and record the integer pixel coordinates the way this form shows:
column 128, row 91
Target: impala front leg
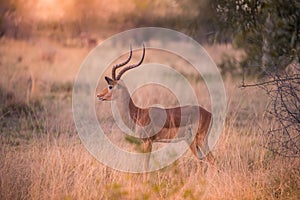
column 147, row 148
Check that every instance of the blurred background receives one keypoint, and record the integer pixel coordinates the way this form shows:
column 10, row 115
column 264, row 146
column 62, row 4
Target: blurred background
column 256, row 46
column 72, row 19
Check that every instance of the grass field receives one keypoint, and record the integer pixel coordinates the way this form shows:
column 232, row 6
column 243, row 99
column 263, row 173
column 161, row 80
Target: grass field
column 42, row 157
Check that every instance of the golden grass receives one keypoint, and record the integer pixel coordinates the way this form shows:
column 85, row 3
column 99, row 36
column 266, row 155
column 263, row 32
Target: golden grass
column 52, row 163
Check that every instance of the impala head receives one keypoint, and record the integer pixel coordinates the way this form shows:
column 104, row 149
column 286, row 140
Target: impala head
column 115, row 84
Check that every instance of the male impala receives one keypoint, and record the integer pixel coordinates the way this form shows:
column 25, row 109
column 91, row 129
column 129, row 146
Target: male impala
column 154, row 124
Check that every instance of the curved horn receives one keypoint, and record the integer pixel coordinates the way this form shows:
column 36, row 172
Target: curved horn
column 132, row 66
column 113, row 74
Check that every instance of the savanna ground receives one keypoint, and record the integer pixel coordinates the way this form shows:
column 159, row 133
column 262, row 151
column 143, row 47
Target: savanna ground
column 42, row 157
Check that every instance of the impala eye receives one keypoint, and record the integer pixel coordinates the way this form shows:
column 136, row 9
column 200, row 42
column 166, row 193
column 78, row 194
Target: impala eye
column 110, row 87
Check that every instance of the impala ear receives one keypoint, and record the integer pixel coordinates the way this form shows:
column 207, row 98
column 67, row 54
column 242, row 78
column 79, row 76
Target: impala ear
column 109, row 80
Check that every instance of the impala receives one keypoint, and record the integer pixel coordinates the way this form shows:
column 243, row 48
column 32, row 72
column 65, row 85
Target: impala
column 154, row 124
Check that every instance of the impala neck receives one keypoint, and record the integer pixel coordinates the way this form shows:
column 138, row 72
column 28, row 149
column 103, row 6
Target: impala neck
column 126, row 107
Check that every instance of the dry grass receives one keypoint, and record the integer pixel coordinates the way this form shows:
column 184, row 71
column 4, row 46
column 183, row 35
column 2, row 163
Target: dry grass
column 41, row 157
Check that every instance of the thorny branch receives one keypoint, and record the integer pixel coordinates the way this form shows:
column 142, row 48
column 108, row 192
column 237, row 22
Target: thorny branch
column 283, row 89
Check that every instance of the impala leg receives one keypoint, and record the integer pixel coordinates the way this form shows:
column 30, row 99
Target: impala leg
column 201, row 156
column 204, row 158
column 210, row 158
column 203, row 151
column 147, row 147
column 193, row 148
column 195, row 151
column 196, row 147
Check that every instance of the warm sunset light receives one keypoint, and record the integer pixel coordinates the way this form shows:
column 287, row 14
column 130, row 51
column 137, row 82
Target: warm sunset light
column 150, row 99
column 51, row 9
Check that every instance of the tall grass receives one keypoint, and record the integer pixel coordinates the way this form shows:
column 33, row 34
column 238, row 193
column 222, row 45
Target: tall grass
column 52, row 163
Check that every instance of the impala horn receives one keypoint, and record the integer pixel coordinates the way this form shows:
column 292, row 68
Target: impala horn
column 113, row 74
column 129, row 67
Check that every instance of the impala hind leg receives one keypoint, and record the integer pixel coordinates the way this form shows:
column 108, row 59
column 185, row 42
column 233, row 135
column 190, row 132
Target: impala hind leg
column 201, row 156
column 202, row 166
column 210, row 158
column 206, row 160
column 196, row 146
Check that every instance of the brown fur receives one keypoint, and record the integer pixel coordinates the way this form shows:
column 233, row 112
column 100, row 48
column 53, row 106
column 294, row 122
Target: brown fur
column 156, row 124
column 174, row 118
